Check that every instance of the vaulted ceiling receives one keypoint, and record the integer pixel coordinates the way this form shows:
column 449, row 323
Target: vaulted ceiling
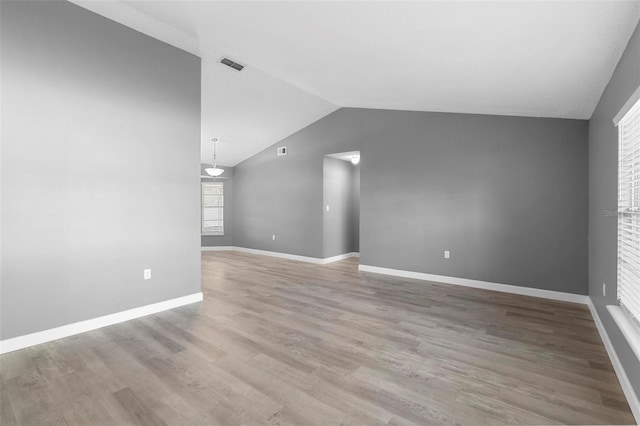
column 306, row 59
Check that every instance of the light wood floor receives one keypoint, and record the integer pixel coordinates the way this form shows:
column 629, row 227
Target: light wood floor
column 280, row 342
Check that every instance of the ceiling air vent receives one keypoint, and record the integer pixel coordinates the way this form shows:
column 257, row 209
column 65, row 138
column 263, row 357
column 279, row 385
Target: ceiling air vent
column 282, row 150
column 228, row 62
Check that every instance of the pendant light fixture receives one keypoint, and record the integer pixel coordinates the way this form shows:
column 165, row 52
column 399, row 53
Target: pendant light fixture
column 355, row 159
column 214, row 171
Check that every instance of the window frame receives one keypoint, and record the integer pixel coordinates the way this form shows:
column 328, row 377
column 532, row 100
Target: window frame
column 202, row 207
column 628, row 215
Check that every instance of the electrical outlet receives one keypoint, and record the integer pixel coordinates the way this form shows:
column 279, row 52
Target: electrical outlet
column 273, row 237
column 147, row 274
column 327, row 207
column 447, row 254
column 604, row 289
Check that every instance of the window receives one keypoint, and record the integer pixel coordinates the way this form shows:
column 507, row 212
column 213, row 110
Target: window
column 629, row 212
column 213, row 208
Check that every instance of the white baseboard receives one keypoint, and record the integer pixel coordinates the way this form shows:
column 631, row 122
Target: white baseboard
column 339, row 257
column 308, row 259
column 506, row 288
column 216, row 248
column 20, row 342
column 632, row 398
column 316, row 260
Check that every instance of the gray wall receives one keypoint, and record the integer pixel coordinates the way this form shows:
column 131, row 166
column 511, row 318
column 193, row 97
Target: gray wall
column 338, row 193
column 506, row 195
column 283, row 195
column 603, row 193
column 100, row 154
column 227, row 238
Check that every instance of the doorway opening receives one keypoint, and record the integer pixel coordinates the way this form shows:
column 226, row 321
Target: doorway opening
column 341, row 204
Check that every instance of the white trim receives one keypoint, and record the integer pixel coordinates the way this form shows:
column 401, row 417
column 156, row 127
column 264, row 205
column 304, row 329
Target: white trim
column 625, row 383
column 629, row 329
column 33, row 339
column 506, row 288
column 626, row 107
column 217, row 248
column 339, row 257
column 315, row 260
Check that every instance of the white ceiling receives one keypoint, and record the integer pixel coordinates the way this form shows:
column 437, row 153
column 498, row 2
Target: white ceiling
column 305, row 59
column 250, row 110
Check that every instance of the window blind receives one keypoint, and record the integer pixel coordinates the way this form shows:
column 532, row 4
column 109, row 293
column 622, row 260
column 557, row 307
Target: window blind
column 629, row 212
column 213, row 208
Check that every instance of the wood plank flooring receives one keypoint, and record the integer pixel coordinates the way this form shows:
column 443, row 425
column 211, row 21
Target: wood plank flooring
column 278, row 342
